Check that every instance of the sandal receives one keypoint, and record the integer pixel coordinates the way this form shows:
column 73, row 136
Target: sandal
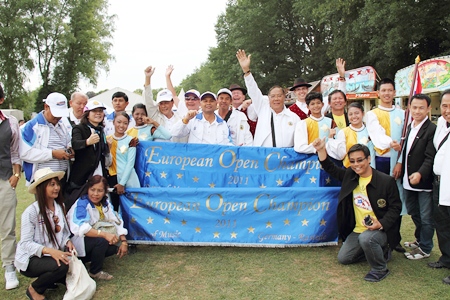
column 412, row 245
column 416, row 254
column 375, row 276
column 101, row 275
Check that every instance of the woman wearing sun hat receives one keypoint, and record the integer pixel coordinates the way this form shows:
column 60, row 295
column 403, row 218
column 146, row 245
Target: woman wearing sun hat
column 45, row 246
column 92, row 154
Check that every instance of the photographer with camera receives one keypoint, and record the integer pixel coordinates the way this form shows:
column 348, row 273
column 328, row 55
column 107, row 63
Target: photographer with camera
column 368, row 212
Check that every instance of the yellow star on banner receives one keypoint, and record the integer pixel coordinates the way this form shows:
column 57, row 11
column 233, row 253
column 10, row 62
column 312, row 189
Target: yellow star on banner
column 328, row 180
column 147, row 174
column 150, row 220
column 212, row 185
column 287, row 222
column 198, row 230
column 195, row 179
column 262, row 186
column 323, row 222
column 133, row 220
column 163, row 174
column 216, row 235
column 183, row 222
column 313, row 179
column 296, row 179
column 166, row 220
column 279, row 182
column 305, row 222
column 233, row 235
column 179, row 176
column 251, row 229
column 269, row 224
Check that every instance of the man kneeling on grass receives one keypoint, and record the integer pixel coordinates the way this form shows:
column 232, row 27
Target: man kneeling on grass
column 368, row 212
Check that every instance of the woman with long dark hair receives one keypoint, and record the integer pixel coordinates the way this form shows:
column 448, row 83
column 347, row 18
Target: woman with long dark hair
column 94, row 245
column 91, row 151
column 45, row 242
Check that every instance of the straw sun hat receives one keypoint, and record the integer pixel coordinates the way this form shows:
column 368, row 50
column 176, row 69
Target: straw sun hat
column 42, row 175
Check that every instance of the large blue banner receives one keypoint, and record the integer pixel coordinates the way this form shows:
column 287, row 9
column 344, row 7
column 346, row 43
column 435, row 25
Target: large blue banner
column 224, row 195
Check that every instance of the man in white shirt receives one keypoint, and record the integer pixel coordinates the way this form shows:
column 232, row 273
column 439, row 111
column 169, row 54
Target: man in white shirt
column 205, row 127
column 236, row 120
column 276, row 123
column 441, row 188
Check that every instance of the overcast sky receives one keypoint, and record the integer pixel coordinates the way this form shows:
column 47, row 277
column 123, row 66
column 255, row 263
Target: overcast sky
column 157, row 33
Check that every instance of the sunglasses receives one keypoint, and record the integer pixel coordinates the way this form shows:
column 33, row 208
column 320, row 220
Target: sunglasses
column 359, row 160
column 191, row 98
column 56, row 221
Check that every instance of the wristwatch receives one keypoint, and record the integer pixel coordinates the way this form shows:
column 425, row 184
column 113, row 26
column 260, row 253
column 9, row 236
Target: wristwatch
column 17, row 175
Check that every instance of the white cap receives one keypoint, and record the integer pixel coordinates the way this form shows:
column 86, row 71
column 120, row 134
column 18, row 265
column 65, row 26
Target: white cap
column 58, row 105
column 224, row 90
column 208, row 93
column 93, row 104
column 195, row 92
column 164, row 95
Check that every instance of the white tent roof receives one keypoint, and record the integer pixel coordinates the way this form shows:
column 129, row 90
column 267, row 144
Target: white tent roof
column 106, row 98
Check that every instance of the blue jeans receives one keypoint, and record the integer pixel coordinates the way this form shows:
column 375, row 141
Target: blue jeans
column 371, row 245
column 420, row 207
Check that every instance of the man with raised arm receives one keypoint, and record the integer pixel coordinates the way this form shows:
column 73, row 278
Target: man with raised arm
column 276, row 123
column 368, row 212
column 300, row 89
column 205, row 127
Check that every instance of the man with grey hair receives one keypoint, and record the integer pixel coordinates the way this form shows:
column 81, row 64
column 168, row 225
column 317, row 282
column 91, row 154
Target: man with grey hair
column 77, row 103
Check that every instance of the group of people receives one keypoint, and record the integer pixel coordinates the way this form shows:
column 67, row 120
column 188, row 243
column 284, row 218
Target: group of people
column 76, row 159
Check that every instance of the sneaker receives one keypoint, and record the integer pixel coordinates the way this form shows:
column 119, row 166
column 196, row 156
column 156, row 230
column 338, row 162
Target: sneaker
column 446, row 280
column 416, row 254
column 412, row 245
column 11, row 280
column 375, row 276
column 101, row 275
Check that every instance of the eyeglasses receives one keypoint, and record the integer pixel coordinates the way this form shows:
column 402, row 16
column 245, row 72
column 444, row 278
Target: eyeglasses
column 359, row 160
column 191, row 98
column 56, row 221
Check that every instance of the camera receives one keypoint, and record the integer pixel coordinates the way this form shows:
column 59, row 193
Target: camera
column 368, row 221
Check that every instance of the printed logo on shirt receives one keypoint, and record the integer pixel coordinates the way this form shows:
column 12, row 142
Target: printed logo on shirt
column 362, row 202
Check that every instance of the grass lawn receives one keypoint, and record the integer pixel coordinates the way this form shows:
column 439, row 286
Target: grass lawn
column 170, row 272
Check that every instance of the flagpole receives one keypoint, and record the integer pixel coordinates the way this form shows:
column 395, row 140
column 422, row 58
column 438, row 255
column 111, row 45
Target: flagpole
column 411, row 94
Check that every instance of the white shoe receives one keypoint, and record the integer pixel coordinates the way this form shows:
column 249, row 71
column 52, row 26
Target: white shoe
column 11, row 280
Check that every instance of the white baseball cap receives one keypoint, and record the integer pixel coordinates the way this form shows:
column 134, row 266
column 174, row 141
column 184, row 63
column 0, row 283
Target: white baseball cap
column 164, row 95
column 93, row 104
column 58, row 105
column 224, row 91
column 195, row 92
column 208, row 93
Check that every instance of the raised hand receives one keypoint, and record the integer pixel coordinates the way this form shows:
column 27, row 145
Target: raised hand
column 149, row 71
column 244, row 60
column 340, row 66
column 169, row 70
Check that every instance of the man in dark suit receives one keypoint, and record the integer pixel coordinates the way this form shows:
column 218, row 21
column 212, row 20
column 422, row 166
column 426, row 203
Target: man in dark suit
column 368, row 212
column 417, row 176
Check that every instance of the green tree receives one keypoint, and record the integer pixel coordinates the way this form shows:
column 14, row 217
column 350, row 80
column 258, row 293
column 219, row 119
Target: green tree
column 71, row 41
column 15, row 61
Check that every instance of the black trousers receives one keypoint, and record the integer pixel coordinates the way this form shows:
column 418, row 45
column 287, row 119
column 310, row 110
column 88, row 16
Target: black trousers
column 97, row 249
column 47, row 272
column 114, row 197
column 441, row 216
